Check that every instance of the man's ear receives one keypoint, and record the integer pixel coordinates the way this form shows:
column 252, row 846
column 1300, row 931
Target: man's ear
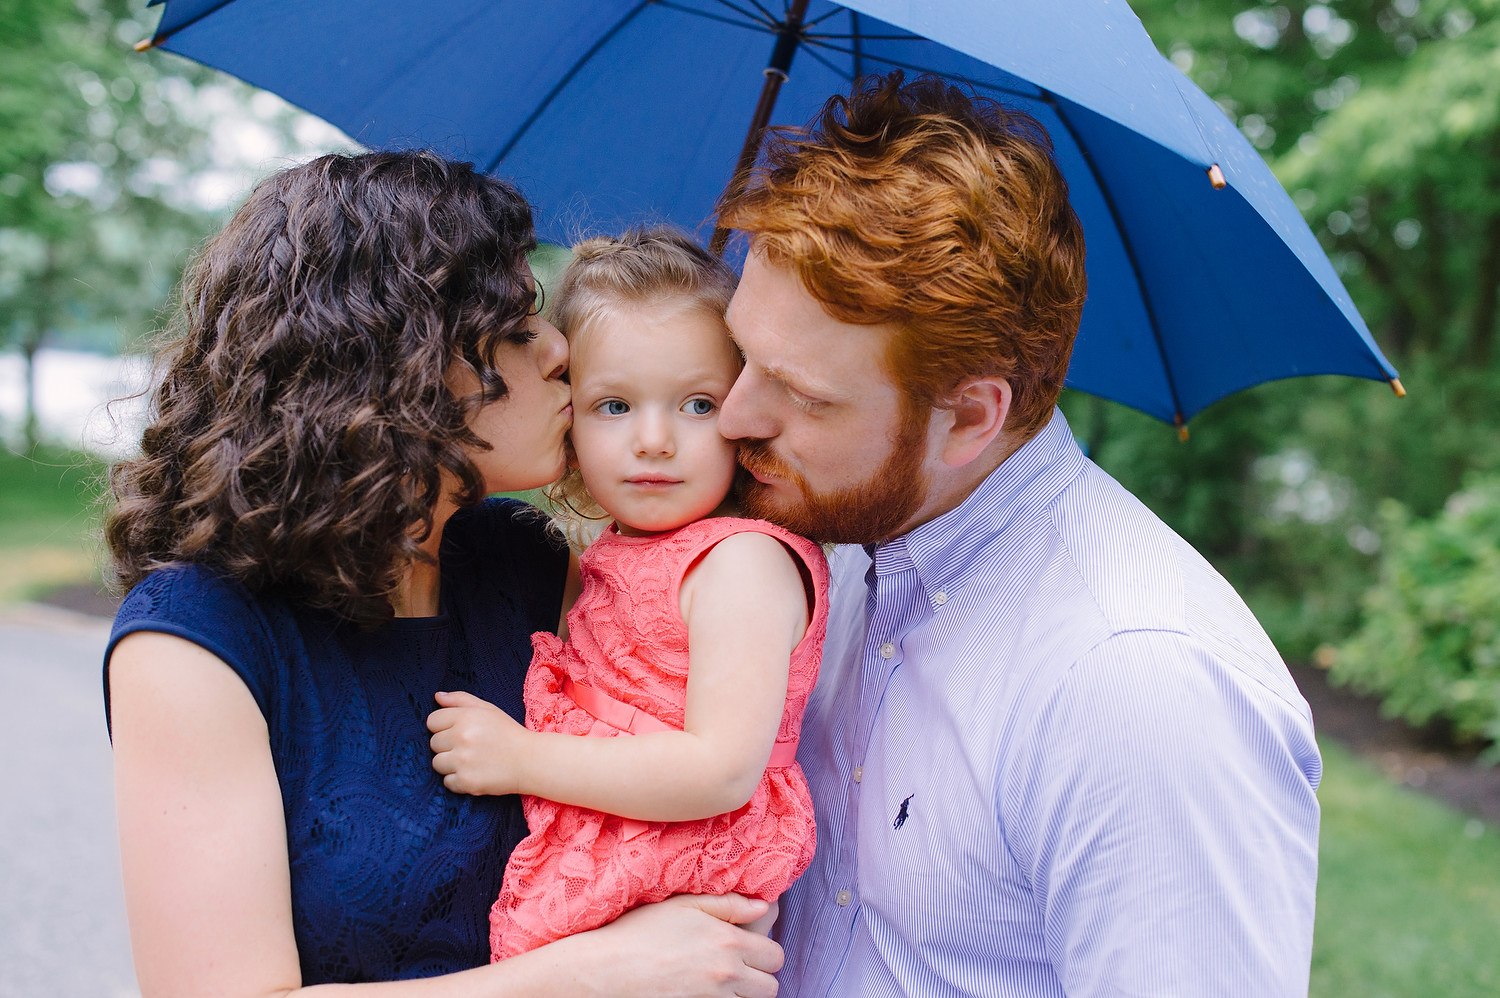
column 976, row 415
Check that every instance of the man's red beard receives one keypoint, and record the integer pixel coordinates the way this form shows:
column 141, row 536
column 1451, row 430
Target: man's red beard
column 872, row 511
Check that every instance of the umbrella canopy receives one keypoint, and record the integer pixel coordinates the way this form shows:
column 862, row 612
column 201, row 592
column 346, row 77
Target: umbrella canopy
column 1203, row 277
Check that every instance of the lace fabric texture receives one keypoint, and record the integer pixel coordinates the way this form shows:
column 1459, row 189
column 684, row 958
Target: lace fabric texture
column 392, row 876
column 579, row 869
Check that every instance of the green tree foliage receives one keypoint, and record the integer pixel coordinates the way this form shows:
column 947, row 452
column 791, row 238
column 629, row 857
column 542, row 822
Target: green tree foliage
column 1382, row 117
column 1404, row 181
column 115, row 164
column 1431, row 635
column 91, row 221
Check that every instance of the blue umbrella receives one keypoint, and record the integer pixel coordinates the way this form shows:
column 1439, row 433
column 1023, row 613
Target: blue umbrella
column 1203, row 277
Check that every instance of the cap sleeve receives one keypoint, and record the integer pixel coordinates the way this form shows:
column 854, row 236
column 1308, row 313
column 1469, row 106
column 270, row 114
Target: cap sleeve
column 213, row 612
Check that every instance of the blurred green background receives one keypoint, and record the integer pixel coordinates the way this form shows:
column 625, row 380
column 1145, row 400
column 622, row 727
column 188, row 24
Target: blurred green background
column 1364, row 530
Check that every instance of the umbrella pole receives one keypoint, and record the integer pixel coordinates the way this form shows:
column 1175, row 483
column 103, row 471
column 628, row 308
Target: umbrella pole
column 788, row 36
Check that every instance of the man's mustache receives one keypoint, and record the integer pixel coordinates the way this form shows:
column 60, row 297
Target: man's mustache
column 757, row 457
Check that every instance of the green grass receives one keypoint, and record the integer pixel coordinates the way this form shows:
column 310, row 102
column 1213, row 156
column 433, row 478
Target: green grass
column 49, row 521
column 1408, row 897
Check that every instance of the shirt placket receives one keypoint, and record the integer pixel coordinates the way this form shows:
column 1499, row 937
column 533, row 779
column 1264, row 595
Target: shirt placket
column 893, row 604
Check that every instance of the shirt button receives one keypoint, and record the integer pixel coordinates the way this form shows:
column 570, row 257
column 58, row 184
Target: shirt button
column 887, row 650
column 940, row 598
column 859, row 773
column 843, row 898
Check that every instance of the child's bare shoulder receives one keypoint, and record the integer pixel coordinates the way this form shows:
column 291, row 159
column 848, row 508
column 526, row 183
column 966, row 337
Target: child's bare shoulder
column 750, row 551
column 749, row 576
column 747, row 563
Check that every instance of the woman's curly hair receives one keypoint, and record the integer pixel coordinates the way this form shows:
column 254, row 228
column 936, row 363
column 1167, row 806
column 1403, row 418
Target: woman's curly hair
column 303, row 422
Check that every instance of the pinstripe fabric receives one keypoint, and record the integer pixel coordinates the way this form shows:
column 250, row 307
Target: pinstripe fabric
column 1051, row 753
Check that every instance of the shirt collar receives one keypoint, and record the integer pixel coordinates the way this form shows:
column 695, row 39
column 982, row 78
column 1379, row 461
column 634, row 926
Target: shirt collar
column 945, row 550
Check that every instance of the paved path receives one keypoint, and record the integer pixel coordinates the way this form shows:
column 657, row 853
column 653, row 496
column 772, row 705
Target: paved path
column 62, row 914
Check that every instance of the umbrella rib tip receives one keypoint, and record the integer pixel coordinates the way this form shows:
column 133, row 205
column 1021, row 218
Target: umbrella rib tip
column 1397, row 387
column 145, row 44
column 1216, row 177
column 1181, row 424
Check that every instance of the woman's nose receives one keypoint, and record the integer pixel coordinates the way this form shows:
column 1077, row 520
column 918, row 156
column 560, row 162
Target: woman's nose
column 552, row 350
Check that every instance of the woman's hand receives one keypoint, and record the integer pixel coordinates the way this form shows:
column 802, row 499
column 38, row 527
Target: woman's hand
column 688, row 946
column 477, row 746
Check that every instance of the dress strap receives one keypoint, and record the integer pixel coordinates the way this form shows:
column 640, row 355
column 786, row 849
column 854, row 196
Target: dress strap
column 618, row 714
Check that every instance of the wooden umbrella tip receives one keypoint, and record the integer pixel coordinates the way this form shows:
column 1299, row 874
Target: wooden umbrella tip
column 144, row 44
column 1181, row 424
column 1216, row 177
column 1397, row 388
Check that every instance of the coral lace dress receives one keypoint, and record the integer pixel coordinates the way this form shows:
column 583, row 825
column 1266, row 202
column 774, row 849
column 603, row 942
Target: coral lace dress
column 628, row 648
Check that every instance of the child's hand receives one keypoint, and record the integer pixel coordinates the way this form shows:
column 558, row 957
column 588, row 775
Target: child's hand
column 476, row 745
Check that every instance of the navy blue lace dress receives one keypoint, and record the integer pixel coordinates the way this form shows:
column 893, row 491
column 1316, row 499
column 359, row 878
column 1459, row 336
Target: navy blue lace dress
column 392, row 875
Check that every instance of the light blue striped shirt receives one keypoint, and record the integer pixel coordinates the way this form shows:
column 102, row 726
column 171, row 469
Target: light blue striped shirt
column 1051, row 753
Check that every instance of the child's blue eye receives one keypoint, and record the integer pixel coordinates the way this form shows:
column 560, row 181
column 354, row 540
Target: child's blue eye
column 613, row 407
column 699, row 407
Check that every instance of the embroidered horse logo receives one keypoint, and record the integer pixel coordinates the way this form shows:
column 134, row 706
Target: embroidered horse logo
column 901, row 814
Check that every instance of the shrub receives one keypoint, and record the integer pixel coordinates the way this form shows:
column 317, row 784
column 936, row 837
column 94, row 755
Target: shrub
column 1429, row 641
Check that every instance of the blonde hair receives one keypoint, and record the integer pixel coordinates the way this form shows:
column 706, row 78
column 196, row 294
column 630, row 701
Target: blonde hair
column 653, row 266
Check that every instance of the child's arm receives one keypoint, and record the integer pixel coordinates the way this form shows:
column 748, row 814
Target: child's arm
column 746, row 609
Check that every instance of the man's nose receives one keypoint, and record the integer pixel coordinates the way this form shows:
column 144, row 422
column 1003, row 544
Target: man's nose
column 744, row 414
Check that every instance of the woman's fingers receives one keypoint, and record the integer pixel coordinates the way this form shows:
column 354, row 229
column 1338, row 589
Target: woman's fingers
column 734, row 908
column 670, row 950
column 765, row 923
column 757, row 985
column 758, row 952
column 762, row 955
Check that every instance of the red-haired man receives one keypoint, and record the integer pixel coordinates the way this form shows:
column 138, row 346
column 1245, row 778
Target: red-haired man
column 1051, row 751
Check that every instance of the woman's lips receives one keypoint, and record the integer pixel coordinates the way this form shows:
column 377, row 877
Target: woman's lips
column 652, row 480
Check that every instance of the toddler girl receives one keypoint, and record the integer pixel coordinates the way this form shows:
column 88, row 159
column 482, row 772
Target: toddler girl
column 696, row 634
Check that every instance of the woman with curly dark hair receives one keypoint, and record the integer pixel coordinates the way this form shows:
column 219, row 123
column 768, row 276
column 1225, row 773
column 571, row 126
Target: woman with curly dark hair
column 309, row 559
